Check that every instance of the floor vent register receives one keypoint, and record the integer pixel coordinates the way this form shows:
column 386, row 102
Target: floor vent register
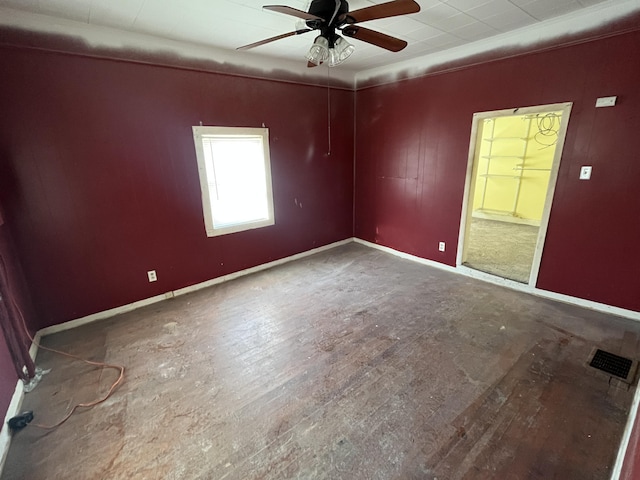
column 612, row 364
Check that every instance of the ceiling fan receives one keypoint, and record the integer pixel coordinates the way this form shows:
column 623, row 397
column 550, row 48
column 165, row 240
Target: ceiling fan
column 329, row 16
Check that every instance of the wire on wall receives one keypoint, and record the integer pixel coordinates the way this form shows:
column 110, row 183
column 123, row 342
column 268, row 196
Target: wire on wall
column 337, row 9
column 119, row 368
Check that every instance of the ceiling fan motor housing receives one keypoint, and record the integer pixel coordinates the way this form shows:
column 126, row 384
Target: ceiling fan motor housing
column 325, row 9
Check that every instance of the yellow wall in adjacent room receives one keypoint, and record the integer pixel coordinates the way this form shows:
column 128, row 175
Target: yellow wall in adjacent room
column 506, row 140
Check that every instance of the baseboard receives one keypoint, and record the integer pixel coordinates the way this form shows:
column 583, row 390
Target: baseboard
column 258, row 268
column 626, row 436
column 407, row 256
column 12, row 411
column 485, row 277
column 99, row 316
column 181, row 291
column 14, row 407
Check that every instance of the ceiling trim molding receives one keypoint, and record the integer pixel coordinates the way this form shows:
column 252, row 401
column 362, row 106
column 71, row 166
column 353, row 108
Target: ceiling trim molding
column 599, row 21
column 68, row 36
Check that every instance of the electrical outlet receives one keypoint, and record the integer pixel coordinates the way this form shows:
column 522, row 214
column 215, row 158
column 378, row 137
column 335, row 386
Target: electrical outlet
column 585, row 173
column 152, row 276
column 441, row 246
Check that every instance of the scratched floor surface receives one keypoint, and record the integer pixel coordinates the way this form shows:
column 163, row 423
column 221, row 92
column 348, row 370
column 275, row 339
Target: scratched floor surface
column 351, row 364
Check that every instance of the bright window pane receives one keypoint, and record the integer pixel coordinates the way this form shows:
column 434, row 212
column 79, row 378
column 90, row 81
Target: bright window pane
column 236, row 177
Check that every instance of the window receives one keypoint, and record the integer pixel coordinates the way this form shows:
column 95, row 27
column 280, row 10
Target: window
column 235, row 178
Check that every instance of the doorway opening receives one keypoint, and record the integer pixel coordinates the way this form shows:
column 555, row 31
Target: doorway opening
column 514, row 157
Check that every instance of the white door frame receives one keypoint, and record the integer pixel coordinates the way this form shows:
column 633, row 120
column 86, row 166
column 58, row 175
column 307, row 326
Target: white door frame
column 469, row 187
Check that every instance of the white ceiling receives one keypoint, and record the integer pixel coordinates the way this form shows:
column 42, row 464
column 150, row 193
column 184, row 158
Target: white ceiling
column 227, row 24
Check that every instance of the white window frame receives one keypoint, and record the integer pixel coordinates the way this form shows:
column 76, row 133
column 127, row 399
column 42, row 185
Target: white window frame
column 199, row 132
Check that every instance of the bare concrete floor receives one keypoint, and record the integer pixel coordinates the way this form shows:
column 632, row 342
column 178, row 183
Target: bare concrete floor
column 351, row 364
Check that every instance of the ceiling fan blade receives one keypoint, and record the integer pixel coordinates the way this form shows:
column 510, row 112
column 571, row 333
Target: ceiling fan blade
column 292, row 11
column 383, row 10
column 375, row 38
column 273, row 39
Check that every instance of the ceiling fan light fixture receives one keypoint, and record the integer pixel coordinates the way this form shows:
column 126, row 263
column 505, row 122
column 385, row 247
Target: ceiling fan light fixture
column 319, row 51
column 329, row 16
column 340, row 52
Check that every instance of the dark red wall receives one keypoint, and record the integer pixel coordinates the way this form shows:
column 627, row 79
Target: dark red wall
column 100, row 184
column 412, row 142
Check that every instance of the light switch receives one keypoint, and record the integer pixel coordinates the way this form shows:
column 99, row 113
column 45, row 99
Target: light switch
column 585, row 173
column 606, row 102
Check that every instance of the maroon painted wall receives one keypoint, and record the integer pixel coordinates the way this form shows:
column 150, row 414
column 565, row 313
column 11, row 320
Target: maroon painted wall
column 412, row 142
column 99, row 177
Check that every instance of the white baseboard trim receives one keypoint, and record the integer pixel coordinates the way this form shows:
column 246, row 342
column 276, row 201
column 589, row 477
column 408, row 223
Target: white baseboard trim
column 181, row 291
column 78, row 322
column 485, row 277
column 407, row 256
column 12, row 411
column 14, row 407
column 258, row 268
column 626, row 436
column 469, row 272
column 560, row 297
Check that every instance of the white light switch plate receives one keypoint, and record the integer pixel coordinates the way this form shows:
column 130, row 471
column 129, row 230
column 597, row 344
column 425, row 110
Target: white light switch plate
column 585, row 173
column 606, row 102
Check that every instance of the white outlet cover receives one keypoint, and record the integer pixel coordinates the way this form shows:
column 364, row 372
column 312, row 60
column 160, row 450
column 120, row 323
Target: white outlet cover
column 441, row 246
column 151, row 274
column 585, row 173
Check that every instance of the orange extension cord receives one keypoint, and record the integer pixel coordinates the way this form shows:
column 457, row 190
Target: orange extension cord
column 120, row 368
